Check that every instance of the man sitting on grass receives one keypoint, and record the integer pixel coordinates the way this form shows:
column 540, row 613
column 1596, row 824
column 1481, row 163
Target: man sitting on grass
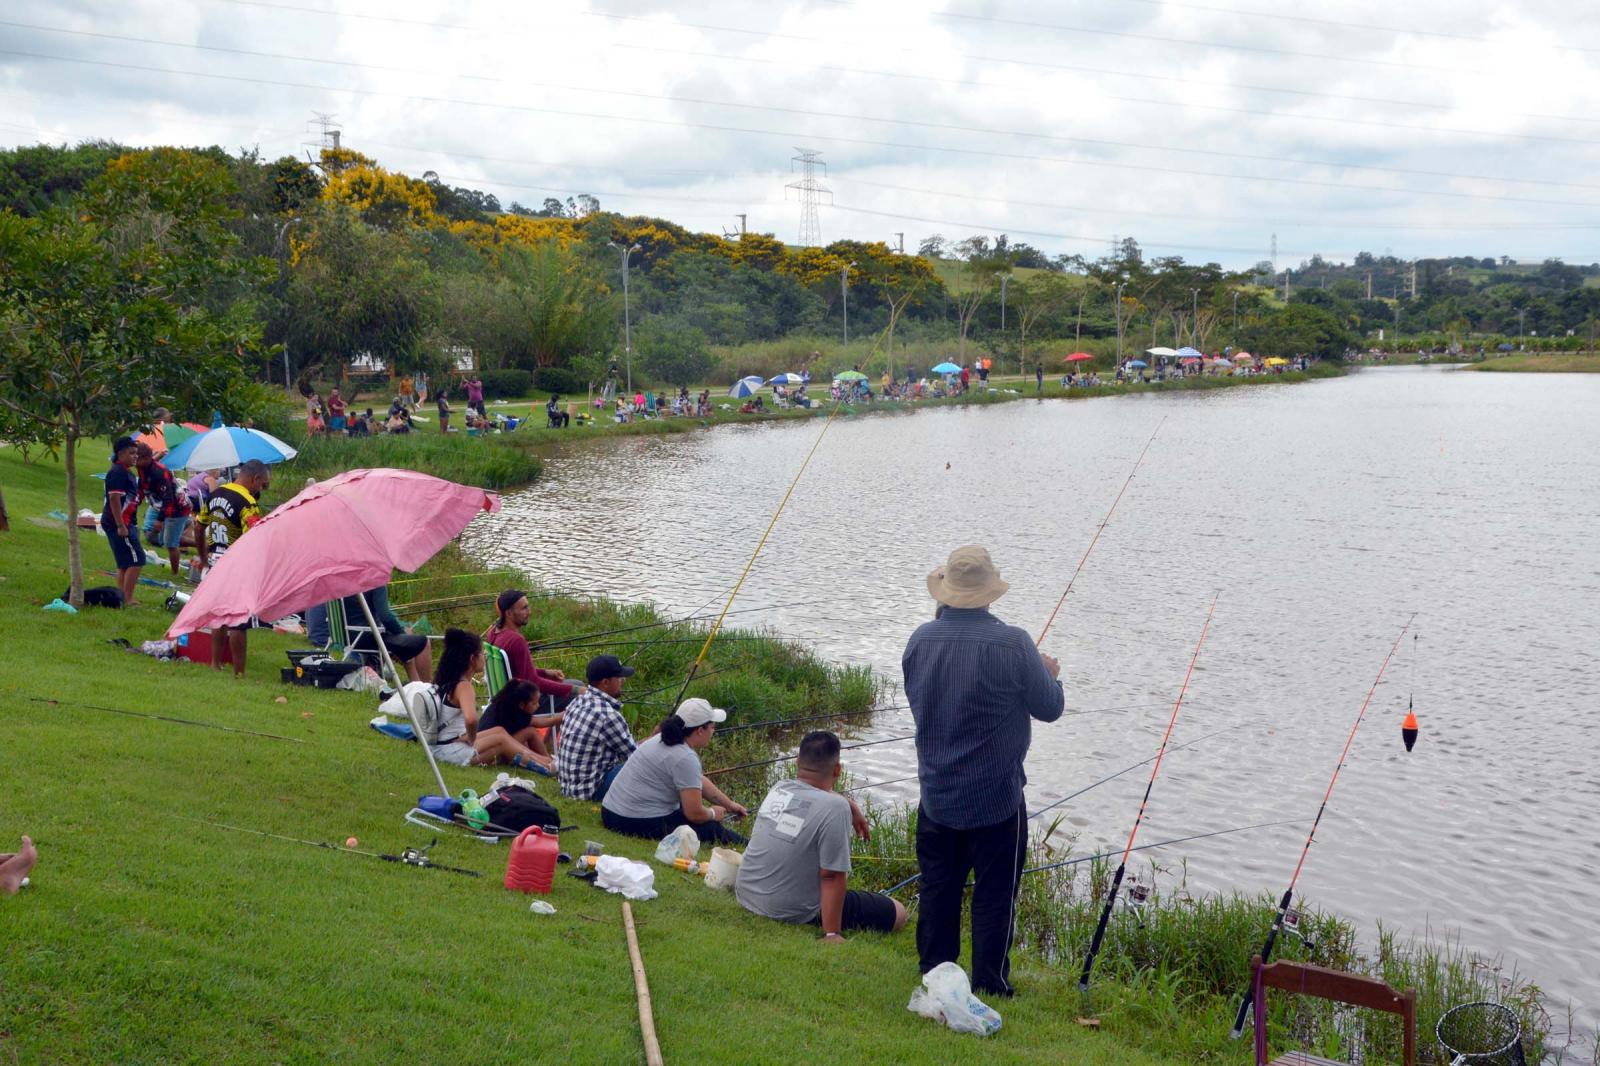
column 595, row 739
column 799, row 855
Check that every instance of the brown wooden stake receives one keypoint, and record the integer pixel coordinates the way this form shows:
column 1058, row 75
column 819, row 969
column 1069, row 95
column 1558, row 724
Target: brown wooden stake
column 647, row 1023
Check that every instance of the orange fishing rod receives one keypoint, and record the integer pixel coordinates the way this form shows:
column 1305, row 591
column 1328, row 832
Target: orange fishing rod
column 1283, row 905
column 1096, row 539
column 1122, row 867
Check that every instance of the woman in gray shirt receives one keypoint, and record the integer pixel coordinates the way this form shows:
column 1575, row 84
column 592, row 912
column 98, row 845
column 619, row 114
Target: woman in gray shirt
column 661, row 786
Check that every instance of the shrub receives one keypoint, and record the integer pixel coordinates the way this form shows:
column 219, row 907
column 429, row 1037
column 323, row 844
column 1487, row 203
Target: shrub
column 557, row 379
column 505, row 384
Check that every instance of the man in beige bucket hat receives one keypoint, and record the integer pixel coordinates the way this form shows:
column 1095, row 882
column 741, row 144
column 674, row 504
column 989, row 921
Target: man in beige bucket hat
column 975, row 686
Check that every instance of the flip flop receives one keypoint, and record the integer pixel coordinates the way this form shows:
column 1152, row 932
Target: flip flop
column 519, row 763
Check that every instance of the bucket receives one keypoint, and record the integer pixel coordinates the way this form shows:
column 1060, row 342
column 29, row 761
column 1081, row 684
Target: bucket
column 532, row 863
column 724, row 868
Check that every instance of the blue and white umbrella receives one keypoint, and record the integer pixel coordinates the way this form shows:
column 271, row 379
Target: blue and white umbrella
column 947, row 368
column 746, row 387
column 1137, row 364
column 225, row 447
column 786, row 379
column 1189, row 353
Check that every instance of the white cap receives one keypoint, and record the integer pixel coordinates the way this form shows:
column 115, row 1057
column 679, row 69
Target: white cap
column 696, row 712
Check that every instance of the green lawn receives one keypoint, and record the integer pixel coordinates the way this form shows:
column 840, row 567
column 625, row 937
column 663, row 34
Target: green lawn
column 1535, row 363
column 147, row 937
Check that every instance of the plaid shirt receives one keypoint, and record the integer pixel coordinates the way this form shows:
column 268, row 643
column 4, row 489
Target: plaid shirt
column 594, row 738
column 158, row 485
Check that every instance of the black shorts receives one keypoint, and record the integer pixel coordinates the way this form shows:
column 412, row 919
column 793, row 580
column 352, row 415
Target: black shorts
column 871, row 911
column 127, row 551
column 403, row 647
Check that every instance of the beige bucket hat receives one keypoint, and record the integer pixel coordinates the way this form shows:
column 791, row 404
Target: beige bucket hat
column 967, row 579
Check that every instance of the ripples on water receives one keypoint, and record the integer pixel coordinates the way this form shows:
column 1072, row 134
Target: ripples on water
column 1324, row 514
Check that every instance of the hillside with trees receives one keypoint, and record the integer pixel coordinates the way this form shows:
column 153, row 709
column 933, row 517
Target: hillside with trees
column 342, row 259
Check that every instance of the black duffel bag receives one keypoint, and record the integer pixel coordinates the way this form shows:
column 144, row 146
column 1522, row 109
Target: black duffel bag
column 516, row 808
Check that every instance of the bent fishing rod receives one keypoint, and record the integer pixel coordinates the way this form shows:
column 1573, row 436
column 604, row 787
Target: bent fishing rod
column 1288, row 894
column 1096, row 538
column 716, row 627
column 1122, row 867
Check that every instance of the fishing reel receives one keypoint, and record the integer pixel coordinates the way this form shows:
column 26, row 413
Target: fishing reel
column 418, row 856
column 1291, row 925
column 1135, row 897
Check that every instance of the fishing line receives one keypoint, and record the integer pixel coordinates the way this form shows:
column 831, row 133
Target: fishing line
column 408, row 857
column 1116, row 880
column 1288, row 894
column 163, row 718
column 1107, row 854
column 1129, row 769
column 1096, row 540
column 786, row 758
column 777, row 723
column 716, row 626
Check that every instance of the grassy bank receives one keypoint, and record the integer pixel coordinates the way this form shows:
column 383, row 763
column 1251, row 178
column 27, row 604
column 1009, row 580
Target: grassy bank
column 1536, row 363
column 147, row 937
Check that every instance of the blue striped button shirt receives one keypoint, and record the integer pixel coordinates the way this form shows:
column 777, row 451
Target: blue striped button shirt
column 975, row 684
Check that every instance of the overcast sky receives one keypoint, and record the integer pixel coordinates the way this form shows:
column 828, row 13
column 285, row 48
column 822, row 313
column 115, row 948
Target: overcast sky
column 1199, row 127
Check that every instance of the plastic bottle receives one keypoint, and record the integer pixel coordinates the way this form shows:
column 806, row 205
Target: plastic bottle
column 689, row 866
column 472, row 809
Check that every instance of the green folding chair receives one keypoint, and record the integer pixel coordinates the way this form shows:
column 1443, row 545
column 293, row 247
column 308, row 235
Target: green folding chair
column 496, row 669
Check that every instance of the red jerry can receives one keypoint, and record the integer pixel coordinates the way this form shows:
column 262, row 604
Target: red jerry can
column 531, row 865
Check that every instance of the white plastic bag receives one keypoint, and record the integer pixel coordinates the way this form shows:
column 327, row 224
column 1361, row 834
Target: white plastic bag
column 365, row 679
column 946, row 996
column 681, row 843
column 633, row 880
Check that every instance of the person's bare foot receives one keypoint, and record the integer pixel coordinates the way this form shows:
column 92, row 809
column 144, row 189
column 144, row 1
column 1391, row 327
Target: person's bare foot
column 14, row 868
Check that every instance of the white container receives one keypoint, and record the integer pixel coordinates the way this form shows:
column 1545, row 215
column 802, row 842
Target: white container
column 724, row 868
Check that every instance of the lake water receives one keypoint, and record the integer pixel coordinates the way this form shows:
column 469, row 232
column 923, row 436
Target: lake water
column 1323, row 514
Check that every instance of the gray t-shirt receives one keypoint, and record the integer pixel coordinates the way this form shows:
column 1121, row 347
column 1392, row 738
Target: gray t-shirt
column 649, row 782
column 799, row 831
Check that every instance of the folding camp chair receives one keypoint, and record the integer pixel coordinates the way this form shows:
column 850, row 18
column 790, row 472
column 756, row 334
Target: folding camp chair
column 497, row 675
column 1323, row 983
column 342, row 635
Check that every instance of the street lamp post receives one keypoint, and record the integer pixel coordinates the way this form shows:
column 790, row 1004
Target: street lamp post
column 627, row 319
column 1235, row 316
column 1522, row 332
column 1397, row 324
column 844, row 302
column 1120, row 286
column 1194, row 314
column 278, row 249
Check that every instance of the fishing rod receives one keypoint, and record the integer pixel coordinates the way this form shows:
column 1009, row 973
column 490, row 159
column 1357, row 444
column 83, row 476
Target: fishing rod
column 880, row 784
column 163, row 718
column 716, row 626
column 1108, row 854
column 408, row 857
column 1288, row 894
column 1122, row 867
column 786, row 758
column 1096, row 539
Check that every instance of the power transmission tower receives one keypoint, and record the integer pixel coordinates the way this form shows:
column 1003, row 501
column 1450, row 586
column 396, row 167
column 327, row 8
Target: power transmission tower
column 900, row 243
column 811, row 191
column 731, row 233
column 327, row 130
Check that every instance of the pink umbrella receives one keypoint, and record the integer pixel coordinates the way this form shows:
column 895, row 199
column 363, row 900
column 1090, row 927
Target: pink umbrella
column 336, row 538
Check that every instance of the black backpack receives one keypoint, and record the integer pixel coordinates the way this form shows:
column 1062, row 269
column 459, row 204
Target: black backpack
column 100, row 596
column 516, row 808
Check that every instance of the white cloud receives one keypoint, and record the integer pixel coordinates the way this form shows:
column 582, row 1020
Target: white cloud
column 1515, row 73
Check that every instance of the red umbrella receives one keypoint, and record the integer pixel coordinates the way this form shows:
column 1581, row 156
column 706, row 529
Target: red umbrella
column 336, row 538
column 1078, row 357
